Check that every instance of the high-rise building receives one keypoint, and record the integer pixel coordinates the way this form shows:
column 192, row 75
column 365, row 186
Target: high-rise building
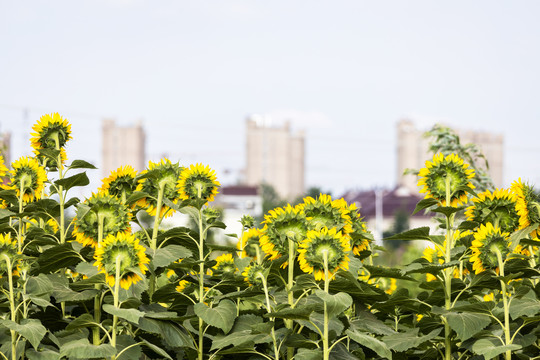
column 413, row 151
column 5, row 147
column 122, row 145
column 275, row 156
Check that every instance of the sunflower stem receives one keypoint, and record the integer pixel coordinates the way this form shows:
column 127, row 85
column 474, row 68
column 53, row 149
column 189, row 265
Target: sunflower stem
column 507, row 336
column 326, row 351
column 20, row 233
column 61, row 198
column 269, row 309
column 448, row 272
column 12, row 306
column 116, row 301
column 201, row 284
column 153, row 241
column 290, row 283
column 97, row 298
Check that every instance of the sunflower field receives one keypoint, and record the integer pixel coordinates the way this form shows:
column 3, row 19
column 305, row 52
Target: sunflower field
column 301, row 285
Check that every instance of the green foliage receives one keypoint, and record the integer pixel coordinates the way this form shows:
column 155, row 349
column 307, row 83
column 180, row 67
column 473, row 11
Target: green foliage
column 187, row 298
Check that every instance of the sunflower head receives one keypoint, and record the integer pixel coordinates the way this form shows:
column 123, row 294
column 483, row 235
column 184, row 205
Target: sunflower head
column 280, row 225
column 224, row 264
column 249, row 242
column 124, row 249
column 321, row 244
column 120, row 183
column 443, row 171
column 163, row 175
column 247, row 221
column 27, row 178
column 487, row 241
column 360, row 236
column 497, row 207
column 198, row 182
column 103, row 207
column 527, row 205
column 254, row 274
column 51, row 132
column 50, row 226
column 8, row 250
column 3, row 169
column 325, row 212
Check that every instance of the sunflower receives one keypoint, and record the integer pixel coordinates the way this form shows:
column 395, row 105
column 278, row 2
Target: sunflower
column 159, row 175
column 317, row 243
column 526, row 205
column 324, row 212
column 3, row 169
column 50, row 227
column 126, row 247
column 120, row 183
column 487, row 241
column 224, row 264
column 436, row 255
column 497, row 207
column 434, row 176
column 360, row 235
column 8, row 248
column 249, row 242
column 29, row 177
column 115, row 217
column 254, row 273
column 182, row 285
column 198, row 182
column 280, row 225
column 51, row 132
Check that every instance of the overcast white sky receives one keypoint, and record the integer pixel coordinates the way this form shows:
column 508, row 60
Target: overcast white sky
column 345, row 71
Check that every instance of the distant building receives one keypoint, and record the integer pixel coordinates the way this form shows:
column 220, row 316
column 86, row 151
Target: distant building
column 122, row 145
column 379, row 207
column 5, row 148
column 237, row 201
column 275, row 156
column 413, row 151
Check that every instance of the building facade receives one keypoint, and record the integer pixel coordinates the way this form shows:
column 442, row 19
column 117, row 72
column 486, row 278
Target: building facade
column 413, row 151
column 275, row 156
column 122, row 145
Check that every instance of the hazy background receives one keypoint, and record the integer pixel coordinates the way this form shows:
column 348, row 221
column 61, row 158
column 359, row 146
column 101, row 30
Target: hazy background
column 345, row 71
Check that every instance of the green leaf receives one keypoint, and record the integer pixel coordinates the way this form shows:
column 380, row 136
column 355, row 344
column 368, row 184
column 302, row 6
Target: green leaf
column 4, row 213
column 407, row 340
column 173, row 335
column 424, row 204
column 82, row 349
column 82, row 322
column 44, row 354
column 489, row 348
column 156, row 349
column 371, row 343
column 421, row 233
column 305, row 354
column 448, row 210
column 335, row 304
column 423, row 266
column 75, row 180
column 81, row 164
column 222, row 316
column 524, row 307
column 366, row 321
column 299, row 313
column 169, row 254
column 124, row 341
column 31, row 329
column 132, row 315
column 58, row 257
column 467, row 324
column 239, row 338
column 39, row 289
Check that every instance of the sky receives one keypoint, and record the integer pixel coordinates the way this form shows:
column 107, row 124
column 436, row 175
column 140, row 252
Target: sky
column 344, row 71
